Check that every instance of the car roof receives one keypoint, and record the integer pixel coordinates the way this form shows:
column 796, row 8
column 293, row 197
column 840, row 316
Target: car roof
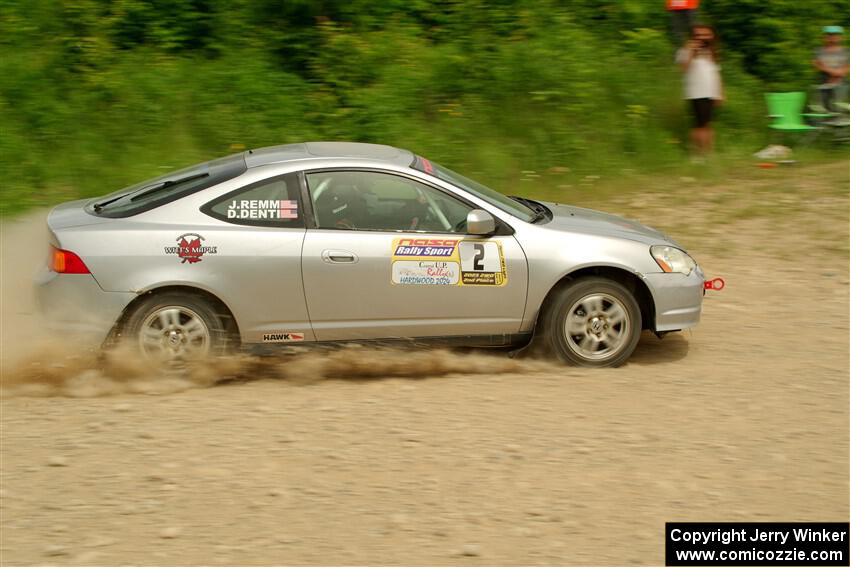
column 326, row 151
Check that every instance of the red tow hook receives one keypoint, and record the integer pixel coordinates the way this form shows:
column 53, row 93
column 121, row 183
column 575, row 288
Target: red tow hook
column 715, row 285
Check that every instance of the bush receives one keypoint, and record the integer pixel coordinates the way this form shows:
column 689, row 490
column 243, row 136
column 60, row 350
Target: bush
column 95, row 95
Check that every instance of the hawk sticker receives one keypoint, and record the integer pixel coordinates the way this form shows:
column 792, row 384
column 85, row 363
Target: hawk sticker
column 283, row 337
column 190, row 248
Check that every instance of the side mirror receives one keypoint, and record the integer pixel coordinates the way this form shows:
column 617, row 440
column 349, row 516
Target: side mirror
column 480, row 222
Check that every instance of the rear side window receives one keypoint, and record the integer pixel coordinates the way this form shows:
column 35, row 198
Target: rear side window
column 156, row 192
column 271, row 202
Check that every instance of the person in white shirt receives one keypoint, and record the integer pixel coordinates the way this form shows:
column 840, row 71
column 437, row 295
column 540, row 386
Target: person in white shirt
column 703, row 87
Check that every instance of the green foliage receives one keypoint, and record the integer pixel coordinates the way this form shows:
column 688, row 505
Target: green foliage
column 776, row 39
column 97, row 94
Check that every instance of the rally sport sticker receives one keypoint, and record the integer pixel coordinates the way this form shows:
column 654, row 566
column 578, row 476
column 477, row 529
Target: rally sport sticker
column 189, row 248
column 448, row 261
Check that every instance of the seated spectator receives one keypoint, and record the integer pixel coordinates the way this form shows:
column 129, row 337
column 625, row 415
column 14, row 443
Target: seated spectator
column 831, row 60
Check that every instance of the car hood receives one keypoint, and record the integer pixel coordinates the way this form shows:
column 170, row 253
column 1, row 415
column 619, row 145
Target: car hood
column 587, row 221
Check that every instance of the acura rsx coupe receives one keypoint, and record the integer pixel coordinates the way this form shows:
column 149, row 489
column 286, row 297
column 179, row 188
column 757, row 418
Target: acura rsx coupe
column 329, row 242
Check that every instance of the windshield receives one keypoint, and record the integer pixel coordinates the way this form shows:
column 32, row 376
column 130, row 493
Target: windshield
column 166, row 188
column 493, row 197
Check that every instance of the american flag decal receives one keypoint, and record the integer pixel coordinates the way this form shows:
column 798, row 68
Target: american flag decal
column 289, row 209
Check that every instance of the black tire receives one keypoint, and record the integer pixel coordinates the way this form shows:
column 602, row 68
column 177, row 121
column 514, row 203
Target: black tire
column 604, row 318
column 188, row 324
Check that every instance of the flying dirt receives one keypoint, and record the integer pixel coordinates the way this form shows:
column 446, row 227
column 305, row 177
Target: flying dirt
column 410, row 457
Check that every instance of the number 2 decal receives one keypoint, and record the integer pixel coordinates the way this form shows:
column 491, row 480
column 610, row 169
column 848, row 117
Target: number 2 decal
column 482, row 263
column 479, row 257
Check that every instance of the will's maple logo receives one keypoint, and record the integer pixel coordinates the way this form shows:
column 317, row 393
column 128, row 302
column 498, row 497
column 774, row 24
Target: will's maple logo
column 190, row 248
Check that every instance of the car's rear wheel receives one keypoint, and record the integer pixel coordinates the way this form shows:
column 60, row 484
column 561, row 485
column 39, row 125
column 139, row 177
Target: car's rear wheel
column 594, row 322
column 176, row 326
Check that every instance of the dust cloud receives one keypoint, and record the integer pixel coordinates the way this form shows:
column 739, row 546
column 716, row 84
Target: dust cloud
column 54, row 371
column 23, row 249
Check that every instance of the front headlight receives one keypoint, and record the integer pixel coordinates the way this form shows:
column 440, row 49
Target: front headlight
column 672, row 259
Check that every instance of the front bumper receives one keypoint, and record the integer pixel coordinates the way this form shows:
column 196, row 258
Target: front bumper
column 75, row 306
column 678, row 299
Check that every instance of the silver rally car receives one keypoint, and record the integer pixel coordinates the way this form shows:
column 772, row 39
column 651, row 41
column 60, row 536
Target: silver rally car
column 332, row 241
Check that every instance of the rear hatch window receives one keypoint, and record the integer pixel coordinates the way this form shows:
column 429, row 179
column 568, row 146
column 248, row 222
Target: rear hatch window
column 166, row 188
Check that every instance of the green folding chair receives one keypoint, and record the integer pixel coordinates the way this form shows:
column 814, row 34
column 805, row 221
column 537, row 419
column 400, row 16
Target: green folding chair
column 786, row 111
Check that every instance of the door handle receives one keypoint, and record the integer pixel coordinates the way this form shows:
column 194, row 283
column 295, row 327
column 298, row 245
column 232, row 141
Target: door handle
column 339, row 257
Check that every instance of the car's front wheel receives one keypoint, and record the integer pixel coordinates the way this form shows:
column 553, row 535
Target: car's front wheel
column 593, row 322
column 176, row 327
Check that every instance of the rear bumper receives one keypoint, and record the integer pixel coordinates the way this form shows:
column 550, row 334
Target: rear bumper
column 678, row 299
column 76, row 307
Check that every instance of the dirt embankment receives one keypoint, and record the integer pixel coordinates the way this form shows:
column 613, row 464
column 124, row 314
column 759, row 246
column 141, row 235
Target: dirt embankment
column 411, row 458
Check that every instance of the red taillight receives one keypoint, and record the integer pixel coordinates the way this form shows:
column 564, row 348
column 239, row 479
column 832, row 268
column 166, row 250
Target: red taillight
column 65, row 262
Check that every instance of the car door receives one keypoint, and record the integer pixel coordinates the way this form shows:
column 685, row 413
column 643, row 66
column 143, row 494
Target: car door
column 389, row 257
column 258, row 270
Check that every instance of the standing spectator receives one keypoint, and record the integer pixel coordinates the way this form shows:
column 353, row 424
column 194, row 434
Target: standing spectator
column 832, row 62
column 702, row 84
column 683, row 15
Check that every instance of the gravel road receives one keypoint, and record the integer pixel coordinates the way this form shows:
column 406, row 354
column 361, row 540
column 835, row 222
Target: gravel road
column 366, row 457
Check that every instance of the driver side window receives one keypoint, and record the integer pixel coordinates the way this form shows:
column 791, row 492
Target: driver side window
column 367, row 200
